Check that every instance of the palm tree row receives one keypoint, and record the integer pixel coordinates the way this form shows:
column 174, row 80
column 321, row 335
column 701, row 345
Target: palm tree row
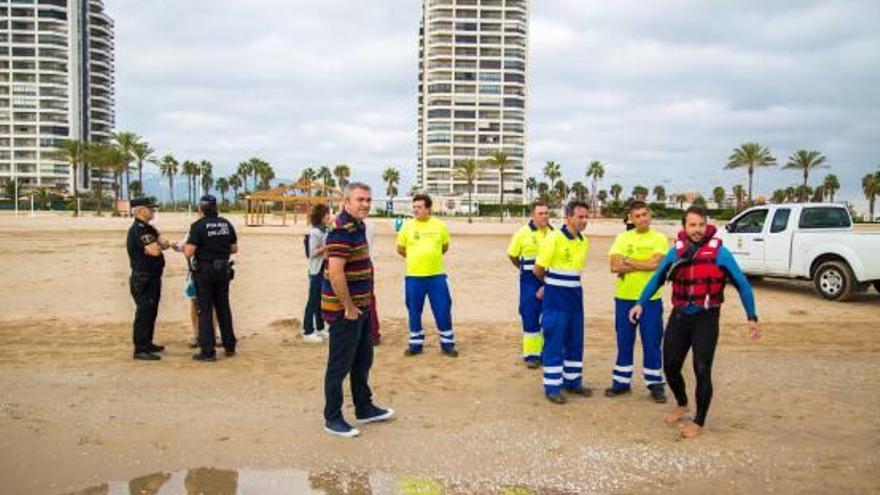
column 752, row 156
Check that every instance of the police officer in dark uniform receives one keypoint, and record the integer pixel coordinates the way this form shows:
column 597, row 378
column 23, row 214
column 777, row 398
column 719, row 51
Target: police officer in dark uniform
column 145, row 247
column 209, row 245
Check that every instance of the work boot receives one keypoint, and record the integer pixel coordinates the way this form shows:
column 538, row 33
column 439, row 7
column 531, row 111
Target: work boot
column 451, row 352
column 556, row 398
column 658, row 393
column 146, row 356
column 616, row 392
column 580, row 390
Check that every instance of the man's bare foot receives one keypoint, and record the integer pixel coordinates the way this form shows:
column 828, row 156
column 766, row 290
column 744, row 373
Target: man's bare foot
column 675, row 416
column 691, row 430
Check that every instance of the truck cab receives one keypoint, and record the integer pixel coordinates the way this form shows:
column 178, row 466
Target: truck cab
column 807, row 241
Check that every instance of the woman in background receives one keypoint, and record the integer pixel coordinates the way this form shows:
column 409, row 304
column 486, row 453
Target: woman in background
column 316, row 240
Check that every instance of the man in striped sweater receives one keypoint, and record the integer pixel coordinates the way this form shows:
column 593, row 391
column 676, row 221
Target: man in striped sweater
column 346, row 295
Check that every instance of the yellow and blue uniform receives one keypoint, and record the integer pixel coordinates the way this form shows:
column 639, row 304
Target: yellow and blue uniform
column 524, row 246
column 563, row 255
column 425, row 277
column 638, row 246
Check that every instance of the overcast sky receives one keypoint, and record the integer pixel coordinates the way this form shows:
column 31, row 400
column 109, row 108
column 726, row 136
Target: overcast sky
column 659, row 91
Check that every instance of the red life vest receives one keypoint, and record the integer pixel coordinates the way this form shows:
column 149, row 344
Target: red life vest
column 698, row 280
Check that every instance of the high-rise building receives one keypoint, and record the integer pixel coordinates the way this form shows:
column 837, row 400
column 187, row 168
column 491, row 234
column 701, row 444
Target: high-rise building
column 56, row 82
column 472, row 94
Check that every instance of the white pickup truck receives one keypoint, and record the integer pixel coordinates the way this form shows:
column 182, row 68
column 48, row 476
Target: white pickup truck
column 805, row 241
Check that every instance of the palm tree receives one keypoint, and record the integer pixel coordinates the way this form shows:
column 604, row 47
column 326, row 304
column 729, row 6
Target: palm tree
column 244, row 170
column 391, row 177
column 580, row 190
column 778, row 196
column 234, row 182
column 531, row 187
column 603, row 196
column 660, row 193
column 266, row 174
column 168, row 167
column 543, row 190
column 73, row 152
column 595, row 171
column 325, row 175
column 818, row 194
column 831, row 185
column 871, row 188
column 803, row 192
column 718, row 195
column 805, row 161
column 222, row 185
column 616, row 191
column 142, row 153
column 681, row 199
column 342, row 172
column 43, row 196
column 259, row 168
column 640, row 193
column 190, row 170
column 560, row 190
column 308, row 175
column 552, row 172
column 98, row 158
column 739, row 194
column 500, row 160
column 469, row 170
column 206, row 169
column 106, row 157
column 136, row 188
column 750, row 156
column 127, row 142
column 790, row 194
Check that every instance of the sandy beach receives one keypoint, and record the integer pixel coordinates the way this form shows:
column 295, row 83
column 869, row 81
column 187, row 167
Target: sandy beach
column 793, row 413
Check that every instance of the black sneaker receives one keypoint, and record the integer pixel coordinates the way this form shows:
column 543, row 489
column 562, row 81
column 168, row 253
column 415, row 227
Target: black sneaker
column 580, row 390
column 146, row 356
column 616, row 392
column 229, row 352
column 340, row 428
column 374, row 415
column 201, row 357
column 556, row 398
column 156, row 348
column 450, row 352
column 658, row 393
column 412, row 352
column 533, row 364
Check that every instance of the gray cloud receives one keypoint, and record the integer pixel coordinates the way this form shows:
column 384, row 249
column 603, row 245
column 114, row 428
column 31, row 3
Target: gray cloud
column 661, row 91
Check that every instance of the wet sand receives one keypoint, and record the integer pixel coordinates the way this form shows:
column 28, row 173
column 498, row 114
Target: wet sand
column 793, row 413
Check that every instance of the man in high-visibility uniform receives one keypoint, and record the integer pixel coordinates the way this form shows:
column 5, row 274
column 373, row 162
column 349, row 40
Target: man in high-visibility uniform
column 423, row 241
column 522, row 251
column 635, row 255
column 561, row 258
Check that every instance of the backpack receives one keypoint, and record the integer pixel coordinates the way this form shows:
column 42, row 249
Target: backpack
column 306, row 245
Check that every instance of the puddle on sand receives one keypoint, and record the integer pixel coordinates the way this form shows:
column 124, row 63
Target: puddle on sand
column 210, row 481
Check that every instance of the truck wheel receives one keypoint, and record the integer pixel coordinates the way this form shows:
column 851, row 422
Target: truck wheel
column 834, row 281
column 877, row 285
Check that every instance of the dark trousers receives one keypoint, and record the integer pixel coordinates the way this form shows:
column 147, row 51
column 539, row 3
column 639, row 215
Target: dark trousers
column 213, row 295
column 683, row 332
column 312, row 319
column 351, row 351
column 146, row 289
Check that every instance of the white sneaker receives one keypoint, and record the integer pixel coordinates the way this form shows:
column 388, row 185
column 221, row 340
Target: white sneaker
column 313, row 338
column 324, row 334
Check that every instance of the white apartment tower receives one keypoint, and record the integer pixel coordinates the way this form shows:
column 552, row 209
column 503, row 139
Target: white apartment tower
column 56, row 82
column 472, row 94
